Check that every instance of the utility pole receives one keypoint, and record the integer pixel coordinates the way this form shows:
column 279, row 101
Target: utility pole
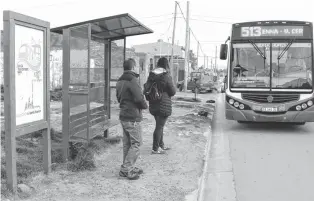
column 189, row 52
column 174, row 70
column 198, row 46
column 186, row 48
column 204, row 61
column 216, row 60
column 207, row 61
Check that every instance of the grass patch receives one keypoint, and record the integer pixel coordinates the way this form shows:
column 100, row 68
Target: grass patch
column 83, row 159
column 83, row 154
column 5, row 192
column 30, row 156
column 187, row 99
column 183, row 105
column 56, row 94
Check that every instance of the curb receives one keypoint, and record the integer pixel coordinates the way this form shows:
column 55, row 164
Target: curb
column 200, row 190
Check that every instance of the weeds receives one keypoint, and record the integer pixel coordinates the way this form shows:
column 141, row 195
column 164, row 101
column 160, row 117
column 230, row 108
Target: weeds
column 187, row 99
column 30, row 155
column 82, row 154
column 56, row 94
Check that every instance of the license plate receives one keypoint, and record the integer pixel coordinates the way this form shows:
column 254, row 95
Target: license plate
column 277, row 108
column 269, row 109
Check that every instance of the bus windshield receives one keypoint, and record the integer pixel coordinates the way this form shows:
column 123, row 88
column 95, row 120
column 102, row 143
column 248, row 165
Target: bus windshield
column 259, row 66
column 294, row 69
column 249, row 68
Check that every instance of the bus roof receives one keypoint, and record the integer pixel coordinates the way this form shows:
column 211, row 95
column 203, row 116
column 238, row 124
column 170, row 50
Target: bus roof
column 273, row 22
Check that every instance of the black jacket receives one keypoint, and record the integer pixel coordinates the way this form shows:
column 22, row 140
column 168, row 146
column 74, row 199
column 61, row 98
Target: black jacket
column 129, row 95
column 164, row 81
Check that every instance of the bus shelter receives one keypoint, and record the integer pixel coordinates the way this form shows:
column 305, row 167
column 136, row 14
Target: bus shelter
column 87, row 58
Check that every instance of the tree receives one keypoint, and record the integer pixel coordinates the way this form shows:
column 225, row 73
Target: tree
column 193, row 59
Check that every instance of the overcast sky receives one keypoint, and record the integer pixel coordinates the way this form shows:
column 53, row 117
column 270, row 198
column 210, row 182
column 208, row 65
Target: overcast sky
column 210, row 20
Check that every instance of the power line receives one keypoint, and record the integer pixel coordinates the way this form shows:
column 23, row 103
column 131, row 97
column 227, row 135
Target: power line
column 168, row 27
column 160, row 21
column 190, row 29
column 181, row 11
column 206, row 16
column 211, row 21
column 197, row 41
column 164, row 15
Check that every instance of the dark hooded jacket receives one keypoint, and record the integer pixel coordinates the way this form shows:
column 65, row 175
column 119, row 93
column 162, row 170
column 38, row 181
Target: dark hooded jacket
column 129, row 95
column 163, row 79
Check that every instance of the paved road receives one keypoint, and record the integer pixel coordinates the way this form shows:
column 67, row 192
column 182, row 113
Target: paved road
column 259, row 162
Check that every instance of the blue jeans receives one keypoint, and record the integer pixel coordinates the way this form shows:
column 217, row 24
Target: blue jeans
column 132, row 140
column 159, row 132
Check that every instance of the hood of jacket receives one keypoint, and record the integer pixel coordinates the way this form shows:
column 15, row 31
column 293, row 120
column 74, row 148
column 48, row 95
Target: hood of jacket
column 128, row 75
column 157, row 74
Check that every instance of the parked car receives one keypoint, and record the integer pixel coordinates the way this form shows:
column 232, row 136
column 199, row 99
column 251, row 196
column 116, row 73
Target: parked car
column 199, row 82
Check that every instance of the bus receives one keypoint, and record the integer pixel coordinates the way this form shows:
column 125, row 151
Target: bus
column 270, row 72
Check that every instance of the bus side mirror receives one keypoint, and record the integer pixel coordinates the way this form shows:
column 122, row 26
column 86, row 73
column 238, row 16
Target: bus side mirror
column 223, row 51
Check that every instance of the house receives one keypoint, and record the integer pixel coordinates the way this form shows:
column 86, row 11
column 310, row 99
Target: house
column 163, row 49
column 160, row 48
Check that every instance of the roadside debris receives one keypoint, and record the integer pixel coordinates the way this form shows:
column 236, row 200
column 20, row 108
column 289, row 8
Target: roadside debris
column 210, row 101
column 203, row 113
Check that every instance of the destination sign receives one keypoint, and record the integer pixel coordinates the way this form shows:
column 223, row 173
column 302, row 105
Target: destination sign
column 270, row 31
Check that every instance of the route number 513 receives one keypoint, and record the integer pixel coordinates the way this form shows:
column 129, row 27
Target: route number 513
column 251, row 31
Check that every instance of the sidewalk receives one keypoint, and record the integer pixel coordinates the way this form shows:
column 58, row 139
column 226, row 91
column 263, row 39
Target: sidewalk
column 166, row 177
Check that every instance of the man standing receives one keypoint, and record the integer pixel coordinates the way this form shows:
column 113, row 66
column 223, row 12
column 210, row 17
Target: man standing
column 129, row 95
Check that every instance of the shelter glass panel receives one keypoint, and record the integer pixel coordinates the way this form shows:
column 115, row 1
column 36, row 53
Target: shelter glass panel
column 97, row 63
column 78, row 56
column 56, row 61
column 117, row 58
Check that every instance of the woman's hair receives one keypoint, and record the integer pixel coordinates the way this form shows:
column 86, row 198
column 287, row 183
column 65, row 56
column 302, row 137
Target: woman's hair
column 163, row 63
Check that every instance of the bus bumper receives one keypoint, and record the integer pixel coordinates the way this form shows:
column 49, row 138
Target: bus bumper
column 250, row 115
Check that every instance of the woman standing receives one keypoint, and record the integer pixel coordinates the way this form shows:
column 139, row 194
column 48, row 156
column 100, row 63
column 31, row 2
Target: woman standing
column 162, row 108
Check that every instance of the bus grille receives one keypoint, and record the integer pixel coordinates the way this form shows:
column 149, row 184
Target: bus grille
column 278, row 98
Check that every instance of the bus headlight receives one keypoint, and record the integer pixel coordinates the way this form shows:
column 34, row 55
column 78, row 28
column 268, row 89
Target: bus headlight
column 303, row 106
column 237, row 104
column 241, row 106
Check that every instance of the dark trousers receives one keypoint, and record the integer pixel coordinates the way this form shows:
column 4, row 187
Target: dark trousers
column 159, row 132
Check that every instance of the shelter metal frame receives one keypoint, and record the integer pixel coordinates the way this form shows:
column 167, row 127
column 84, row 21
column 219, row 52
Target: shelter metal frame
column 75, row 127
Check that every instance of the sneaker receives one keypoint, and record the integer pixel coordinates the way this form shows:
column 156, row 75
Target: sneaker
column 131, row 175
column 165, row 148
column 138, row 170
column 123, row 174
column 159, row 151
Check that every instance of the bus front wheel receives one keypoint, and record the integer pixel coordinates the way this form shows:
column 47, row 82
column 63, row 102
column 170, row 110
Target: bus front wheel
column 242, row 122
column 299, row 123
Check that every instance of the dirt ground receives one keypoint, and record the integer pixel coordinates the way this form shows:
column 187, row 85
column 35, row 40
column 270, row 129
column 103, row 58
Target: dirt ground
column 166, row 177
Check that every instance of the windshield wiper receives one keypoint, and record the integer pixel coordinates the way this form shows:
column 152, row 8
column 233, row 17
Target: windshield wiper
column 285, row 49
column 257, row 49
